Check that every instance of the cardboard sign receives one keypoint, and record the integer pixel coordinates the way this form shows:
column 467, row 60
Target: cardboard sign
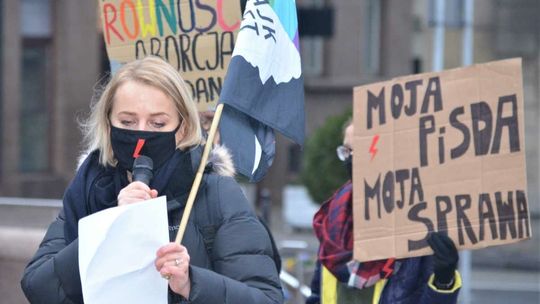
column 196, row 37
column 440, row 152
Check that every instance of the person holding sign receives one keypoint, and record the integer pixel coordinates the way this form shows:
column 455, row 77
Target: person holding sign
column 226, row 255
column 340, row 279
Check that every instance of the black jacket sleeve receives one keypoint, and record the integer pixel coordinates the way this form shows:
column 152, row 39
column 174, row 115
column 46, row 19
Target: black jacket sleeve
column 244, row 270
column 52, row 276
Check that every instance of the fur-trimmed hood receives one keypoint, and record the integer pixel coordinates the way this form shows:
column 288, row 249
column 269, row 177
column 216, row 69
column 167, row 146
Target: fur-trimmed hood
column 221, row 161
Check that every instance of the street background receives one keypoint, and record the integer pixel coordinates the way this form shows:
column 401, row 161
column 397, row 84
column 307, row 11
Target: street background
column 52, row 54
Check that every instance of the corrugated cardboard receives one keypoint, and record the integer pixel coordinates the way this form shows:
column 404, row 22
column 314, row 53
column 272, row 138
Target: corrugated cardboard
column 451, row 189
column 195, row 37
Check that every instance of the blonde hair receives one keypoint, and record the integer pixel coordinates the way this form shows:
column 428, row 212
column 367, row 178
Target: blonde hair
column 347, row 123
column 152, row 71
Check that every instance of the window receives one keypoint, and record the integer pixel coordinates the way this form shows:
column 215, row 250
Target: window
column 1, row 74
column 453, row 13
column 295, row 159
column 312, row 48
column 35, row 106
column 36, row 18
column 372, row 27
column 516, row 28
column 34, row 111
column 312, row 56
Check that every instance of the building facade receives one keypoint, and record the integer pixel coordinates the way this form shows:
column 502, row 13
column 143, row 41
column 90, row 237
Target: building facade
column 502, row 29
column 371, row 40
column 49, row 63
column 52, row 55
column 375, row 40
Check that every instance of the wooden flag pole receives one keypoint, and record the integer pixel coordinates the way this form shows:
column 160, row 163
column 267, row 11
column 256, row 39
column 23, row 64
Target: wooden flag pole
column 199, row 175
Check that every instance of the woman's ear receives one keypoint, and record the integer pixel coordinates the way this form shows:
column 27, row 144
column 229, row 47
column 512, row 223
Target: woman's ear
column 181, row 133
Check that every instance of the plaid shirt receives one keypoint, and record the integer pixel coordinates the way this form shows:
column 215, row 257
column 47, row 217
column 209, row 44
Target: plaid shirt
column 333, row 225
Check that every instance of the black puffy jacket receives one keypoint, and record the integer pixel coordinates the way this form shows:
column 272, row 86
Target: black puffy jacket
column 239, row 268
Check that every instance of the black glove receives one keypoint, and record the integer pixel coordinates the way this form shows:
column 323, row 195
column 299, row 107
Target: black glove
column 445, row 259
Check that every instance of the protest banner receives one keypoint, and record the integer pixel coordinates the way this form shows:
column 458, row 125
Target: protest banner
column 440, row 152
column 197, row 37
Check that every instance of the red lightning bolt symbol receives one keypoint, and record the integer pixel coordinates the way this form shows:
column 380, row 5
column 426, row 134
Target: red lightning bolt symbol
column 373, row 149
column 387, row 268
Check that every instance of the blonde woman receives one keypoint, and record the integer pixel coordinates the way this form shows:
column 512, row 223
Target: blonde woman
column 146, row 109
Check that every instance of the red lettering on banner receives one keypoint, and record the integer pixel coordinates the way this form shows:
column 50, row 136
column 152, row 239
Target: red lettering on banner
column 123, row 10
column 109, row 24
column 221, row 21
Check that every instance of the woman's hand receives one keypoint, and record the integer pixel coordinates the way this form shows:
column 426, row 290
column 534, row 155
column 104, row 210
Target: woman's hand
column 172, row 262
column 445, row 259
column 135, row 192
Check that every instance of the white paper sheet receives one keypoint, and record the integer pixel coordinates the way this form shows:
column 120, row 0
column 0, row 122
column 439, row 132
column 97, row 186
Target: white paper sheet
column 117, row 250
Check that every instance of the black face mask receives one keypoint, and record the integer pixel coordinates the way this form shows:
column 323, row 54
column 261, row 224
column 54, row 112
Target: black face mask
column 348, row 166
column 129, row 144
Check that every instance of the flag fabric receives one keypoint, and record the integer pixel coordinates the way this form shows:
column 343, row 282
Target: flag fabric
column 263, row 90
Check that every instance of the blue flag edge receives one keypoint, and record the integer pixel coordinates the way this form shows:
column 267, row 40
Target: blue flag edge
column 239, row 130
column 286, row 98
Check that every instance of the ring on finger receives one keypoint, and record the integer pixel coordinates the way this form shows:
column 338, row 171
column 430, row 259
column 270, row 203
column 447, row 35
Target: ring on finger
column 177, row 261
